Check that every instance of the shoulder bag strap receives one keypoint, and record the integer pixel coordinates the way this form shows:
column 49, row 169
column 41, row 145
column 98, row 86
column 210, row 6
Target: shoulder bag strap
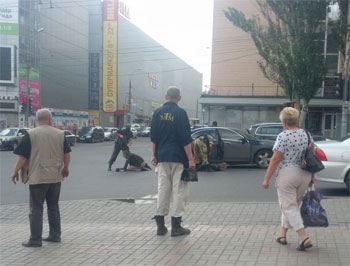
column 308, row 137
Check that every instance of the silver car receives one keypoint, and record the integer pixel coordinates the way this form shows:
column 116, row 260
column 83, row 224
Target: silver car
column 335, row 156
column 11, row 137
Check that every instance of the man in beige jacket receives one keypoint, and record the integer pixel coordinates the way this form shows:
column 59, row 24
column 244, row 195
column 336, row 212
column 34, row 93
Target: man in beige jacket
column 45, row 154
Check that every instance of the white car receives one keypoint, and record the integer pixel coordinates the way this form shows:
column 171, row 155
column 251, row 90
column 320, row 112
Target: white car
column 109, row 133
column 134, row 132
column 335, row 156
column 146, row 132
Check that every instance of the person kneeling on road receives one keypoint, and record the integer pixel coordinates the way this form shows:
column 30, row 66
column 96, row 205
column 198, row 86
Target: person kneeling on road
column 135, row 161
column 202, row 147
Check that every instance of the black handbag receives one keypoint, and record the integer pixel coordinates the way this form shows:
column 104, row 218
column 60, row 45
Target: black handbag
column 309, row 161
column 189, row 175
column 312, row 213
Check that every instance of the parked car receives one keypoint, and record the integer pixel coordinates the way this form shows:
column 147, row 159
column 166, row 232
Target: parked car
column 11, row 137
column 134, row 132
column 91, row 134
column 109, row 133
column 136, row 126
column 70, row 137
column 146, row 132
column 271, row 130
column 335, row 156
column 235, row 146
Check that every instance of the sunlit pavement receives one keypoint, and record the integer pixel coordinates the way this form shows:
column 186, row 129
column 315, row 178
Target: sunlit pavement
column 113, row 232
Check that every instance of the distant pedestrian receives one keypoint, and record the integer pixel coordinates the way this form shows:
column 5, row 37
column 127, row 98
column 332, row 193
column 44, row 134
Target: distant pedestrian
column 172, row 152
column 46, row 154
column 214, row 124
column 291, row 180
column 122, row 141
column 134, row 161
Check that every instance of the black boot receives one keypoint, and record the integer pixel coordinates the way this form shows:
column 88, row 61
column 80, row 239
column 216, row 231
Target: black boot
column 148, row 167
column 161, row 228
column 176, row 228
column 109, row 167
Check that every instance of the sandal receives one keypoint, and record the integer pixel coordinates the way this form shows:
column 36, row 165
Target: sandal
column 282, row 240
column 302, row 245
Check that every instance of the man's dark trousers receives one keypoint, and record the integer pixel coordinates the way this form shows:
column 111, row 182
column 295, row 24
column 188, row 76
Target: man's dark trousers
column 38, row 194
column 116, row 151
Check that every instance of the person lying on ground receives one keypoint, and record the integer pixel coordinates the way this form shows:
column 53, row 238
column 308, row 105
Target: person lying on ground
column 135, row 161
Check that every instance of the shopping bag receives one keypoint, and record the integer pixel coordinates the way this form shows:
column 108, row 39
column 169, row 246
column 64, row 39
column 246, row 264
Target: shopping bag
column 312, row 213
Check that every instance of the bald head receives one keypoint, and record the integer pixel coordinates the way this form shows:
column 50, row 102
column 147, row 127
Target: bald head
column 173, row 94
column 44, row 116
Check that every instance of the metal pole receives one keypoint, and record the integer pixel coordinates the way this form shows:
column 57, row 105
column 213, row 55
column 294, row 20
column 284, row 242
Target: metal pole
column 27, row 95
column 345, row 109
column 129, row 103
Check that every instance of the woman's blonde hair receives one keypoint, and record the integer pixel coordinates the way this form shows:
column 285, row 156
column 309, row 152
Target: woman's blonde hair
column 290, row 116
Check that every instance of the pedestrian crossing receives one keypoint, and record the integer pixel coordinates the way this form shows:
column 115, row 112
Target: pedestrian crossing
column 148, row 199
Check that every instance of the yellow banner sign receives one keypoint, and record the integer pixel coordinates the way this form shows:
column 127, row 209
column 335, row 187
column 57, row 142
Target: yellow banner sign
column 110, row 52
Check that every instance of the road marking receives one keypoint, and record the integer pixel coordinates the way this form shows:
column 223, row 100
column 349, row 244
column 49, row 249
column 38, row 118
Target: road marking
column 148, row 199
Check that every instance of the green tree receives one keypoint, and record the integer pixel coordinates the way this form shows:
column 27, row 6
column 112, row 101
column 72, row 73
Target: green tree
column 339, row 26
column 289, row 38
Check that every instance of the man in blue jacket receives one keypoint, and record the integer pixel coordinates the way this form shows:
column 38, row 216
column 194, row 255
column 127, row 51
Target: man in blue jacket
column 172, row 152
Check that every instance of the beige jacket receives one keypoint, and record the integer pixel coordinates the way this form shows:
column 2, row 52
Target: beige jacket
column 46, row 156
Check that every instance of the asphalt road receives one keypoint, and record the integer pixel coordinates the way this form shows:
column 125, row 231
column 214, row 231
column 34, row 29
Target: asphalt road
column 89, row 179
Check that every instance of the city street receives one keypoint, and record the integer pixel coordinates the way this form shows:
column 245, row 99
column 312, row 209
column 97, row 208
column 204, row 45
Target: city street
column 89, row 179
column 233, row 220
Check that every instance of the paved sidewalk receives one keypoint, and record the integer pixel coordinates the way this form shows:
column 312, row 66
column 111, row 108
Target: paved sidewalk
column 111, row 232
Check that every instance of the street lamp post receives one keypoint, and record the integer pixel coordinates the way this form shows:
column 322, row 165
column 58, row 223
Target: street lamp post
column 346, row 103
column 27, row 95
column 130, row 95
column 129, row 103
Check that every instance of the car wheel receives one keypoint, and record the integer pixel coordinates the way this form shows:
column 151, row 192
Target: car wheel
column 262, row 158
column 347, row 181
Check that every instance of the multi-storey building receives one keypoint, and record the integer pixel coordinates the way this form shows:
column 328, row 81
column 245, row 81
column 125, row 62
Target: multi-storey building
column 240, row 95
column 54, row 52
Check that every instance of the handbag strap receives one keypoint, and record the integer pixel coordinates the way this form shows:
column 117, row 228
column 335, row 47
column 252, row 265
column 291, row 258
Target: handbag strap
column 308, row 137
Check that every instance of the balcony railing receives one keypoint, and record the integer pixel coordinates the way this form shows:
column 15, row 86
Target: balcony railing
column 329, row 92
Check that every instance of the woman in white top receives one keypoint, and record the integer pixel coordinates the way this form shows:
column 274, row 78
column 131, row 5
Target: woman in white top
column 291, row 180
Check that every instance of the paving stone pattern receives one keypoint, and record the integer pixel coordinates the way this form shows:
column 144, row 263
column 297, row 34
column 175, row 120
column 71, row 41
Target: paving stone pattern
column 112, row 232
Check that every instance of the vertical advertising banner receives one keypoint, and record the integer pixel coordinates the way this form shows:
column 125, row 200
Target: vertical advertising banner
column 30, row 84
column 110, row 52
column 94, row 81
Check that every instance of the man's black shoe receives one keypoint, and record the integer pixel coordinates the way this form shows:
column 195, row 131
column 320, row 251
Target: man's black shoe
column 52, row 239
column 32, row 244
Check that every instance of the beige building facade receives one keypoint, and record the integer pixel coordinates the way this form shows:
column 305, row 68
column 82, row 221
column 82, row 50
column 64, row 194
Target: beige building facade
column 240, row 95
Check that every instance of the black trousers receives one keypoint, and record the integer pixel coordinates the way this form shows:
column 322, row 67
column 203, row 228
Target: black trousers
column 116, row 150
column 38, row 195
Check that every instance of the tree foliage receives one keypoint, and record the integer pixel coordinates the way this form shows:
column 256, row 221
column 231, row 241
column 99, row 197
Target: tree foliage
column 289, row 38
column 339, row 26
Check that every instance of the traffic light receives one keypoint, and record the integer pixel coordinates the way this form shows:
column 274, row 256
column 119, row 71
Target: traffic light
column 24, row 105
column 289, row 104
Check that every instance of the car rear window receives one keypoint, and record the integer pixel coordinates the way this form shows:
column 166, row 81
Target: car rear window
column 274, row 130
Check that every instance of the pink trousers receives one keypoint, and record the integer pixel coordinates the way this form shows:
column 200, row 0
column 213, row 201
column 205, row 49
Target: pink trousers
column 291, row 183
